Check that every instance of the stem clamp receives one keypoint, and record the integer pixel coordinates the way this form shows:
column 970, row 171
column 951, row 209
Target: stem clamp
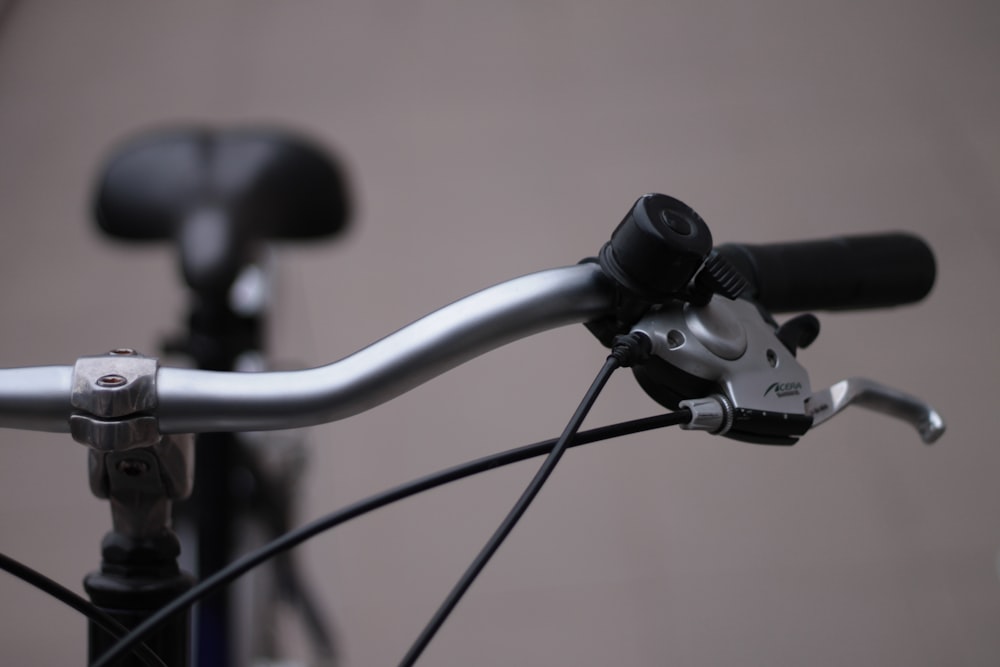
column 130, row 463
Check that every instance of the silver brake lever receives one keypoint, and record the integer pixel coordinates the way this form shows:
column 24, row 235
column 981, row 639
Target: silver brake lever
column 869, row 394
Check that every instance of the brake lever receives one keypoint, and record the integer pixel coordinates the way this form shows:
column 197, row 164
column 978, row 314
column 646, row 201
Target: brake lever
column 823, row 405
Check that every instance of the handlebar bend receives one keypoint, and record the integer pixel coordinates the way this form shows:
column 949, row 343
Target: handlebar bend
column 192, row 401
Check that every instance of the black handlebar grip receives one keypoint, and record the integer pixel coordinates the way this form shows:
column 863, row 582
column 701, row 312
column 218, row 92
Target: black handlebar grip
column 850, row 272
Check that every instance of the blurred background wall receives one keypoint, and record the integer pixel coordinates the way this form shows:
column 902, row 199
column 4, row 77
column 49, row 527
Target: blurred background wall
column 487, row 140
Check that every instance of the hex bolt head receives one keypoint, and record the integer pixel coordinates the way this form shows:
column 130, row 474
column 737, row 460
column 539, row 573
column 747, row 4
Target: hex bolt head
column 111, row 380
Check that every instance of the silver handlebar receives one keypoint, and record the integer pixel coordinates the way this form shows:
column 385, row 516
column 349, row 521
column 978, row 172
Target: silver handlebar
column 36, row 398
column 191, row 401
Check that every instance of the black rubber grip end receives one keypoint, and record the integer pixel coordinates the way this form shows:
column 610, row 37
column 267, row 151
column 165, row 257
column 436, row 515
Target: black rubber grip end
column 852, row 272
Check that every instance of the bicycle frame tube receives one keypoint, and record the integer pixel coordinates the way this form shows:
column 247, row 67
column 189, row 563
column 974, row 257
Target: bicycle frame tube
column 206, row 401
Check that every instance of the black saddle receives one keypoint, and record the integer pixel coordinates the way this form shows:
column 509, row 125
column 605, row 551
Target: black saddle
column 218, row 194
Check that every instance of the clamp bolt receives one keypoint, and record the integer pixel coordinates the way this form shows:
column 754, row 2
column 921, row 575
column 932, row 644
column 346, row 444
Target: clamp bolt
column 111, row 380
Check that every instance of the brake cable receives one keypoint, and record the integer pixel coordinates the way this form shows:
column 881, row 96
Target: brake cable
column 625, row 351
column 296, row 537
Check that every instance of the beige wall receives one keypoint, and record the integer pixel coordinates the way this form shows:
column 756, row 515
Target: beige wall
column 488, row 140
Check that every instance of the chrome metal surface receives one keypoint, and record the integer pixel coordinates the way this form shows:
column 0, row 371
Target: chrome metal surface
column 712, row 413
column 36, row 398
column 870, row 394
column 135, row 484
column 114, row 395
column 197, row 401
column 114, row 434
column 718, row 327
column 766, row 376
column 114, row 384
column 174, row 455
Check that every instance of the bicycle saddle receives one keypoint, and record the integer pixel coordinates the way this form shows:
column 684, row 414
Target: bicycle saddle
column 218, row 194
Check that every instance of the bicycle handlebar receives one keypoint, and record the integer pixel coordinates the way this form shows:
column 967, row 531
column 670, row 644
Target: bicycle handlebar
column 850, row 272
column 191, row 401
column 36, row 398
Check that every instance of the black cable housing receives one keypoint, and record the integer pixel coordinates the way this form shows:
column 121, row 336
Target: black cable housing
column 296, row 537
column 611, row 364
column 103, row 620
